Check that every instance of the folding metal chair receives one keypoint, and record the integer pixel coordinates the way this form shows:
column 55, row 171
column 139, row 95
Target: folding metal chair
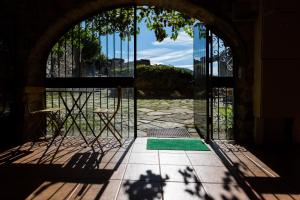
column 107, row 116
column 50, row 114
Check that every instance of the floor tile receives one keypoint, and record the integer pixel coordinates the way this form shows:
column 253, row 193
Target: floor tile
column 172, row 151
column 173, row 159
column 178, row 173
column 221, row 191
column 205, row 159
column 140, row 190
column 182, row 191
column 201, row 152
column 141, row 140
column 142, row 148
column 142, row 172
column 211, row 174
column 144, row 158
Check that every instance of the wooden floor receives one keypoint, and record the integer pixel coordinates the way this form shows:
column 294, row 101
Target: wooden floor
column 130, row 171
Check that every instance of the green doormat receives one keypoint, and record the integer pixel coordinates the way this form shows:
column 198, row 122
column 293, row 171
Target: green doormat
column 176, row 144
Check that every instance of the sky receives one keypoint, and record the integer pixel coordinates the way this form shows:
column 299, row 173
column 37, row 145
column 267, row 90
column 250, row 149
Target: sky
column 178, row 53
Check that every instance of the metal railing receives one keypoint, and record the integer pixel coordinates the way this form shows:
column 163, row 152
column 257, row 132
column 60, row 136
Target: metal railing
column 222, row 112
column 88, row 101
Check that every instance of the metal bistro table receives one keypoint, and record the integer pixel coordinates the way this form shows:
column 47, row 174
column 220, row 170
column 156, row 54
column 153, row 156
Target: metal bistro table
column 70, row 111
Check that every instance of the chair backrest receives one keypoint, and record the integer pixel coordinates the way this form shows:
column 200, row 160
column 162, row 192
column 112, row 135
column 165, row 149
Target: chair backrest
column 34, row 98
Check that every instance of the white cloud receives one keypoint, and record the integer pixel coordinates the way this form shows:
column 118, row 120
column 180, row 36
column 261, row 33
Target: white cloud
column 183, row 39
column 152, row 52
column 169, row 52
column 165, row 55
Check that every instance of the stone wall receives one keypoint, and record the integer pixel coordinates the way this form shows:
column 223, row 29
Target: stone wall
column 277, row 69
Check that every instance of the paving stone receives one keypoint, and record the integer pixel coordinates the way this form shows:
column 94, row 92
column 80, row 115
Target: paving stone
column 144, row 121
column 147, row 117
column 158, row 113
column 161, row 113
column 145, row 110
column 144, row 127
column 189, row 121
column 192, row 130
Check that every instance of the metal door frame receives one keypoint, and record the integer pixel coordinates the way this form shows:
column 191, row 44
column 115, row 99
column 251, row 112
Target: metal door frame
column 214, row 82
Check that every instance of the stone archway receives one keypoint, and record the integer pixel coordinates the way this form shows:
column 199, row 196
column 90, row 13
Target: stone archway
column 38, row 54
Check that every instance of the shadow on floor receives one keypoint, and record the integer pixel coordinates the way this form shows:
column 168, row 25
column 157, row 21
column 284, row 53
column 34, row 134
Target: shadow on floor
column 263, row 171
column 151, row 186
column 284, row 160
column 32, row 179
column 144, row 188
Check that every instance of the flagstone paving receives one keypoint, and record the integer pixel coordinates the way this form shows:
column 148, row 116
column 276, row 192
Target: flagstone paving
column 163, row 113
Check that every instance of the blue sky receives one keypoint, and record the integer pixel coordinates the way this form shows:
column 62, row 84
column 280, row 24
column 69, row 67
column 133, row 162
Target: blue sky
column 178, row 53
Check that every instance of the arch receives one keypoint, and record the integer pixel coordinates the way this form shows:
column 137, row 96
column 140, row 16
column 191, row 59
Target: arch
column 76, row 11
column 38, row 55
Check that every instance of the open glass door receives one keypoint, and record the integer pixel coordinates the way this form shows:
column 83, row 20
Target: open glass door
column 201, row 73
column 213, row 86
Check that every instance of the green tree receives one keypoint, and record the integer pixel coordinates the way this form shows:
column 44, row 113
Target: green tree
column 121, row 20
column 83, row 38
column 158, row 20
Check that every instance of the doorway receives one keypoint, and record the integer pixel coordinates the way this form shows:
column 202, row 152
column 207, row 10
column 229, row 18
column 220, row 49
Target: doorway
column 101, row 55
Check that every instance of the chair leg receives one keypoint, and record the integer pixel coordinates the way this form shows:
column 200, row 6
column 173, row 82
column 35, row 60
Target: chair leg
column 101, row 131
column 110, row 127
column 54, row 119
column 47, row 148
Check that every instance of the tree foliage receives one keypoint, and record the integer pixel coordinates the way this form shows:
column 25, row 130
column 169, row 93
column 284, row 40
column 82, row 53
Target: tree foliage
column 121, row 20
column 158, row 20
column 85, row 35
